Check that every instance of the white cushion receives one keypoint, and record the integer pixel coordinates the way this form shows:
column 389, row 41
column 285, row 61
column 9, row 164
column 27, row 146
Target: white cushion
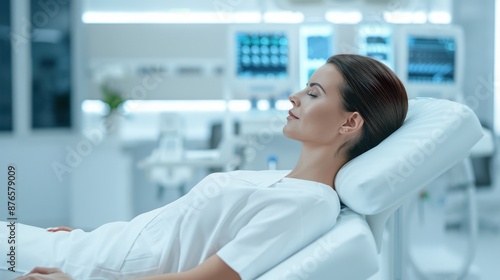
column 436, row 135
column 347, row 251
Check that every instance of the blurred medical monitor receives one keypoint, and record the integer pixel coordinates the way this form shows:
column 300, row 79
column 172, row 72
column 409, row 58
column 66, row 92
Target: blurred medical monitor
column 315, row 47
column 375, row 41
column 262, row 54
column 430, row 60
column 260, row 60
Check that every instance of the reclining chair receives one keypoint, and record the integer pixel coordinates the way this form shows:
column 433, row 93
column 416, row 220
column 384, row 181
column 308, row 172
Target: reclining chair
column 436, row 135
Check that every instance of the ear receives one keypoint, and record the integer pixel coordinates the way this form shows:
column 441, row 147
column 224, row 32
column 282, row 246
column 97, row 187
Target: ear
column 353, row 124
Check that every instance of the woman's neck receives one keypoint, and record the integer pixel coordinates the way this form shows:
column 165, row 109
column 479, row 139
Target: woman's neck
column 318, row 164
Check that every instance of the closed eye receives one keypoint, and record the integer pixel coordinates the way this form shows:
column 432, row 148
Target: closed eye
column 310, row 93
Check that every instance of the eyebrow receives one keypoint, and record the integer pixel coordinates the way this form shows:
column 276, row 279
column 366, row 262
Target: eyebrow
column 316, row 84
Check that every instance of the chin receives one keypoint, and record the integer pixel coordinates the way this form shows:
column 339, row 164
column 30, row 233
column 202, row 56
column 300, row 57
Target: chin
column 284, row 132
column 287, row 133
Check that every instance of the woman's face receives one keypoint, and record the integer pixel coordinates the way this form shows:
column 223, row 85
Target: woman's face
column 317, row 115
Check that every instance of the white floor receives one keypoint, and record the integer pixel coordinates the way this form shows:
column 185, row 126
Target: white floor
column 448, row 247
column 486, row 261
column 487, row 258
column 451, row 253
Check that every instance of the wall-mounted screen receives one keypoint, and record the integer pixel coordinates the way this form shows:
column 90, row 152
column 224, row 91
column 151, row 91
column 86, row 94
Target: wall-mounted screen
column 319, row 47
column 375, row 41
column 262, row 54
column 316, row 46
column 261, row 61
column 431, row 60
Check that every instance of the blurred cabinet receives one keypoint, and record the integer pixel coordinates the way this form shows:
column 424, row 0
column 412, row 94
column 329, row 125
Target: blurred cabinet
column 51, row 64
column 6, row 122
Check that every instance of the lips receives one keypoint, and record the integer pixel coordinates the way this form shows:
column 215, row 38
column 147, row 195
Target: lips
column 292, row 115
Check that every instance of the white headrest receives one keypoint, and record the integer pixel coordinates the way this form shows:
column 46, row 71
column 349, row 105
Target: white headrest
column 436, row 135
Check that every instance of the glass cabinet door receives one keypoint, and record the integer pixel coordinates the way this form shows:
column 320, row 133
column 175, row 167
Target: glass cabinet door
column 51, row 64
column 6, row 121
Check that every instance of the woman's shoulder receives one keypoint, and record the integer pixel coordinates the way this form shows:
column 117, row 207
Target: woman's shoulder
column 244, row 172
column 256, row 177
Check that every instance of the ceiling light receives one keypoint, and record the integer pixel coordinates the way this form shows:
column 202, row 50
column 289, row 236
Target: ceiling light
column 440, row 17
column 171, row 17
column 405, row 17
column 283, row 17
column 338, row 17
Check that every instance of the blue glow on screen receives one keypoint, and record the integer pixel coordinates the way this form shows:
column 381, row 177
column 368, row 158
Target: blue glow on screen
column 262, row 55
column 431, row 60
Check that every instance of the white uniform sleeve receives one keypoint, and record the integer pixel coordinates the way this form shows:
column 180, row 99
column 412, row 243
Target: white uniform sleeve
column 276, row 232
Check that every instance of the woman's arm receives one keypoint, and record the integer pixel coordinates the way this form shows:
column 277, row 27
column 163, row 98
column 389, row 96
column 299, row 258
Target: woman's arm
column 45, row 273
column 61, row 228
column 214, row 268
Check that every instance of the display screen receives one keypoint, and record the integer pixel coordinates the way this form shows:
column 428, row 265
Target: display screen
column 262, row 54
column 318, row 47
column 431, row 60
column 378, row 47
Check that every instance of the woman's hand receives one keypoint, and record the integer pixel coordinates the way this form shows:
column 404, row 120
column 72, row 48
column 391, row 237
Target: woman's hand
column 45, row 273
column 62, row 228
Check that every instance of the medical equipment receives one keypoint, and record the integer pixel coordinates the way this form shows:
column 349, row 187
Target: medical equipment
column 261, row 61
column 170, row 149
column 431, row 60
column 431, row 258
column 315, row 47
column 170, row 165
column 487, row 194
column 375, row 41
column 425, row 147
column 175, row 173
column 171, row 139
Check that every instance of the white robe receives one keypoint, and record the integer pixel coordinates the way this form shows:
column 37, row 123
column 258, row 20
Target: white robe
column 252, row 219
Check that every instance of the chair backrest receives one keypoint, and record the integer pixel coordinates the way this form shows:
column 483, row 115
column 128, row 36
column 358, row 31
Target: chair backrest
column 436, row 135
column 347, row 251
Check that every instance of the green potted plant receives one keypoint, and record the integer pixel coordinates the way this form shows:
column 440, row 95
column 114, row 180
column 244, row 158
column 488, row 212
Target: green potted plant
column 112, row 98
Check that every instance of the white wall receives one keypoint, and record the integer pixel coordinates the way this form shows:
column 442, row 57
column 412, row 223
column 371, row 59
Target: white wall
column 42, row 199
column 167, row 45
column 78, row 181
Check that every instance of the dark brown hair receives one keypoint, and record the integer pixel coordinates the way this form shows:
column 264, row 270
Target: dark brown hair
column 376, row 93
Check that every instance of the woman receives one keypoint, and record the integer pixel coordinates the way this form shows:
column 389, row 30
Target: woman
column 226, row 226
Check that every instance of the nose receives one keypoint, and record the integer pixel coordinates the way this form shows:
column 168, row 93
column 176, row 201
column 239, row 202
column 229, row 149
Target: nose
column 294, row 99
